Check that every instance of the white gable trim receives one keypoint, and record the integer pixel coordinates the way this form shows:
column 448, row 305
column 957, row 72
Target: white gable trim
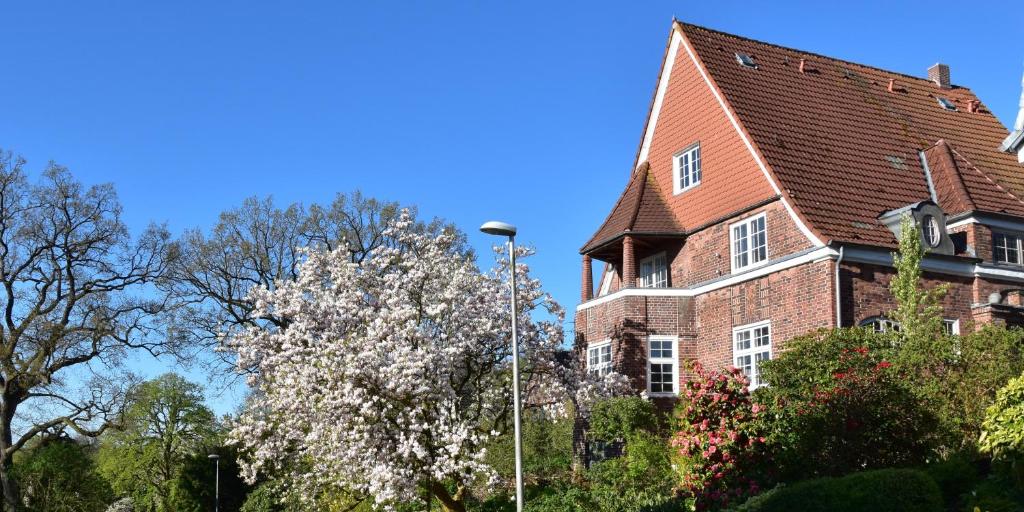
column 677, row 39
column 666, row 73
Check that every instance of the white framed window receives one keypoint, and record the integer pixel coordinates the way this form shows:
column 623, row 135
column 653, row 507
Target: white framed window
column 752, row 344
column 879, row 324
column 748, row 240
column 1007, row 248
column 662, row 365
column 951, row 326
column 599, row 358
column 654, row 271
column 686, row 168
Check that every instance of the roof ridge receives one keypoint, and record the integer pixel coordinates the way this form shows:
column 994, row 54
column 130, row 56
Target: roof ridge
column 644, row 170
column 813, row 54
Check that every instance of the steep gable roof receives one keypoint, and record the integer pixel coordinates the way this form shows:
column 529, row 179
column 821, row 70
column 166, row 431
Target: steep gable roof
column 961, row 187
column 641, row 209
column 843, row 146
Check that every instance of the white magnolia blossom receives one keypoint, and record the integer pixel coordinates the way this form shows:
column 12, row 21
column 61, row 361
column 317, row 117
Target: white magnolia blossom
column 391, row 375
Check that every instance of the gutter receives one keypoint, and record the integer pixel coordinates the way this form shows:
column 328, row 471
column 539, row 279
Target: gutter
column 839, row 306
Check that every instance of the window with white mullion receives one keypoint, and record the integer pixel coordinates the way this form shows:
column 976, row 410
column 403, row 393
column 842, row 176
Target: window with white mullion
column 749, row 240
column 654, row 271
column 751, row 345
column 1007, row 248
column 599, row 358
column 662, row 365
column 686, row 168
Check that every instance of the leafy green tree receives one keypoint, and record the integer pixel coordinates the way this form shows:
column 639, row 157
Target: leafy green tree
column 1003, row 430
column 954, row 376
column 918, row 310
column 58, row 475
column 262, row 499
column 165, row 424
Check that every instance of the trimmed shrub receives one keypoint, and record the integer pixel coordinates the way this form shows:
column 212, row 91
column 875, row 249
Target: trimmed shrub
column 720, row 444
column 883, row 490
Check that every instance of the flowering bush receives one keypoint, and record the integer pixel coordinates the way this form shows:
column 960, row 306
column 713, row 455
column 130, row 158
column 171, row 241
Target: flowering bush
column 838, row 406
column 719, row 443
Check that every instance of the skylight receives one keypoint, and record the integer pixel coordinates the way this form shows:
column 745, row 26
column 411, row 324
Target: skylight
column 946, row 104
column 746, row 60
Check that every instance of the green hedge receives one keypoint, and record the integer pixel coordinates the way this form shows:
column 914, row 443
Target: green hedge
column 903, row 490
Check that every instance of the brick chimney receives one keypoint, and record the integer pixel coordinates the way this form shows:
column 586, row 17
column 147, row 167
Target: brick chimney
column 939, row 73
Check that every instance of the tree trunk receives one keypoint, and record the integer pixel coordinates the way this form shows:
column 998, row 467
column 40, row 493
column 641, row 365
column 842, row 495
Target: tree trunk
column 449, row 502
column 579, row 446
column 11, row 501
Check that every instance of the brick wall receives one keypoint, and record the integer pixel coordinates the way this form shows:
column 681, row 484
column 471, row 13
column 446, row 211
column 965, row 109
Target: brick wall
column 706, row 254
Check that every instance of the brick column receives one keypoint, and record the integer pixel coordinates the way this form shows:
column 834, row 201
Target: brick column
column 587, row 292
column 628, row 263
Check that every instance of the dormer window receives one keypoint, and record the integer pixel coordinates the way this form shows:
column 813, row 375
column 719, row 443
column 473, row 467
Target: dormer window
column 1007, row 248
column 654, row 271
column 686, row 168
column 946, row 104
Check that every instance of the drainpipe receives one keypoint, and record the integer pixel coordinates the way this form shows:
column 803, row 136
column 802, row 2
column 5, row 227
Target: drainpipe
column 839, row 304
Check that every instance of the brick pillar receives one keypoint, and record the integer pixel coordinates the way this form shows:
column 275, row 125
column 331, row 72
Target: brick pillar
column 587, row 292
column 628, row 263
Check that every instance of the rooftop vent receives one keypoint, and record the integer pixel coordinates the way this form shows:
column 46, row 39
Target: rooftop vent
column 939, row 73
column 746, row 60
column 946, row 104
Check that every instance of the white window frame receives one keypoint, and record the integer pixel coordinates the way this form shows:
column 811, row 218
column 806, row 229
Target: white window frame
column 600, row 368
column 674, row 361
column 951, row 326
column 879, row 324
column 1017, row 238
column 693, row 174
column 732, row 243
column 753, row 351
column 653, row 280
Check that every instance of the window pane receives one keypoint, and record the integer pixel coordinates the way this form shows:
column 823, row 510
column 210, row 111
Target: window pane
column 696, row 164
column 742, row 340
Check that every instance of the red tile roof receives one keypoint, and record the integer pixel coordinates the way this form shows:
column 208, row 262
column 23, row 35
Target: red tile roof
column 844, row 148
column 962, row 187
column 641, row 210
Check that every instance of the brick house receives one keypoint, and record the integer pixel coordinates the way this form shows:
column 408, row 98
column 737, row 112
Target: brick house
column 765, row 201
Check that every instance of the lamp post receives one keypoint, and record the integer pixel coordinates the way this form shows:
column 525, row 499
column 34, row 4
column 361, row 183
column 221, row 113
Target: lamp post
column 216, row 488
column 504, row 229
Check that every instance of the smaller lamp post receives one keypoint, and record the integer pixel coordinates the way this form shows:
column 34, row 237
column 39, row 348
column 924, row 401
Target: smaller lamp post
column 216, row 485
column 505, row 229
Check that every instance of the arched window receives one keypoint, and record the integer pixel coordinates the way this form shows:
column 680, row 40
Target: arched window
column 879, row 324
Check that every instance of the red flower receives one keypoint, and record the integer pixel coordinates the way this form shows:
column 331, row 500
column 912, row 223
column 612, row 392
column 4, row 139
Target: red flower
column 883, row 365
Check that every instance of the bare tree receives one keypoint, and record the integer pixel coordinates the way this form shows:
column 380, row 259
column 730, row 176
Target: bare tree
column 75, row 299
column 259, row 243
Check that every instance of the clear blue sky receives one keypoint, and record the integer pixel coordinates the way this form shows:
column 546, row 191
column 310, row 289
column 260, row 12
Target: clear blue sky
column 529, row 112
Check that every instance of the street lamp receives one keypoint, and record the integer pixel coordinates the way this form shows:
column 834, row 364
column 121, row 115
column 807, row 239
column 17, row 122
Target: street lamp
column 504, row 229
column 216, row 488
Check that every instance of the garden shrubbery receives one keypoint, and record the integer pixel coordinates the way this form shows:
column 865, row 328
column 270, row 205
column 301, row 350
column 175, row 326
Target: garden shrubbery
column 882, row 490
column 720, row 444
column 837, row 404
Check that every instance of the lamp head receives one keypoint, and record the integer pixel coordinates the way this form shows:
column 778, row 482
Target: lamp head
column 498, row 228
column 213, row 456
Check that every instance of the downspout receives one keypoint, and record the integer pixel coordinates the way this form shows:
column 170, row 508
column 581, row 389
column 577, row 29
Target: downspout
column 839, row 305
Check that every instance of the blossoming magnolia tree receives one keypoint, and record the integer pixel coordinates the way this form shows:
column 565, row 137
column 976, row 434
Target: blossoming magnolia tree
column 390, row 375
